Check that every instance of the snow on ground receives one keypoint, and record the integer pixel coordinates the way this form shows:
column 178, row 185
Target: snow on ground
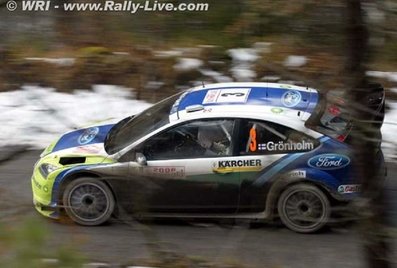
column 391, row 76
column 295, row 61
column 188, row 64
column 35, row 116
column 389, row 130
column 243, row 63
column 217, row 76
column 56, row 61
column 243, row 54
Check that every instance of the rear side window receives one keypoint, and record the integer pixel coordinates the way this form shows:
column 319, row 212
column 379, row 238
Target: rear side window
column 261, row 137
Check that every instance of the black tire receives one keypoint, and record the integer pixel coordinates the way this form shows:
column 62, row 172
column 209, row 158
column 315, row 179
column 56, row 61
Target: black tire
column 88, row 201
column 304, row 208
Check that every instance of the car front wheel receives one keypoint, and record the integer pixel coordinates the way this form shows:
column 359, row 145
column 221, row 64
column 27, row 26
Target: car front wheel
column 88, row 201
column 304, row 208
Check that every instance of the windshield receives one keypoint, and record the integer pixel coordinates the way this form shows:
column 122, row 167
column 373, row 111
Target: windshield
column 133, row 128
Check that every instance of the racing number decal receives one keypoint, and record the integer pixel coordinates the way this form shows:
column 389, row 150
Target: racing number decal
column 227, row 95
column 237, row 94
column 253, row 143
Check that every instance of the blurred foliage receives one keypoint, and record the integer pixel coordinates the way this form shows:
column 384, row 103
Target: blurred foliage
column 24, row 245
column 122, row 48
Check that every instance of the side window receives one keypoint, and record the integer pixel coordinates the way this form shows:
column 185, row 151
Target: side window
column 196, row 139
column 261, row 137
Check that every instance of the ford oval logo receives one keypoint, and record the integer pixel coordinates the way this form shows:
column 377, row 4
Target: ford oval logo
column 329, row 161
column 88, row 135
column 291, row 98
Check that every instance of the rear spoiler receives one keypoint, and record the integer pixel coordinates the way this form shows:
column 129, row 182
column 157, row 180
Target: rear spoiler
column 331, row 116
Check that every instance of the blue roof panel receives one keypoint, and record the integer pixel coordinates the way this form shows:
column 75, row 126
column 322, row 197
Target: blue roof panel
column 279, row 97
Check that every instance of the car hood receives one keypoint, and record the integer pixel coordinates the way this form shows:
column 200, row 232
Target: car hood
column 82, row 141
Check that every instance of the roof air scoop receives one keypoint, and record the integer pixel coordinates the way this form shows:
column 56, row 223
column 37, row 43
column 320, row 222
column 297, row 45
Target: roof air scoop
column 194, row 108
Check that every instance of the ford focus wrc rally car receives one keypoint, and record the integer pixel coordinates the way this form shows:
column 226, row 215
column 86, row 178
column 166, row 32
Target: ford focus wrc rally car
column 230, row 150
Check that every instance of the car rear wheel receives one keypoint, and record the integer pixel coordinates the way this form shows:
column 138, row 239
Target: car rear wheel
column 304, row 208
column 88, row 201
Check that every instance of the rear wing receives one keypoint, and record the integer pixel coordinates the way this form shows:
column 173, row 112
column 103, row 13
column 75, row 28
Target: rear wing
column 332, row 117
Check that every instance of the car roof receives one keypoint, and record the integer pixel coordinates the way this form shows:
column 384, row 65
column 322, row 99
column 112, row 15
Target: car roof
column 250, row 99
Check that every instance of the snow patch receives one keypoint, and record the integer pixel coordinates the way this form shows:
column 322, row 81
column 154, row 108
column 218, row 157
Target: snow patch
column 389, row 130
column 154, row 85
column 271, row 78
column 391, row 76
column 243, row 54
column 393, row 89
column 243, row 63
column 217, row 76
column 243, row 73
column 295, row 61
column 35, row 116
column 56, row 61
column 188, row 64
column 263, row 47
column 167, row 53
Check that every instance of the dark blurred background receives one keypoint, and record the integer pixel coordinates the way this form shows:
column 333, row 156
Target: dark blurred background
column 146, row 51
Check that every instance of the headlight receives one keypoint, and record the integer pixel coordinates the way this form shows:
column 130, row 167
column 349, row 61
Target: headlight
column 46, row 169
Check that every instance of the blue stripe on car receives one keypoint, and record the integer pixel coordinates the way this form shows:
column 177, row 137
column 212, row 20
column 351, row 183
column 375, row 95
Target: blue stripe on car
column 329, row 177
column 61, row 176
column 276, row 167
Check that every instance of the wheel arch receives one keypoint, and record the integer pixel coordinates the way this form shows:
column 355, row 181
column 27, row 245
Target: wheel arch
column 73, row 176
column 283, row 183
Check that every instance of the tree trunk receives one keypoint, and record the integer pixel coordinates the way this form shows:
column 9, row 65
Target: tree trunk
column 366, row 142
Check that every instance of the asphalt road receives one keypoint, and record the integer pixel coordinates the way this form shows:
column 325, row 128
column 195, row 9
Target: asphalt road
column 123, row 242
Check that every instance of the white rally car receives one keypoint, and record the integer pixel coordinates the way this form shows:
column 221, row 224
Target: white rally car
column 231, row 150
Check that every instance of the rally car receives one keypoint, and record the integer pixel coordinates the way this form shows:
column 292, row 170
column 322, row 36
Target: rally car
column 229, row 150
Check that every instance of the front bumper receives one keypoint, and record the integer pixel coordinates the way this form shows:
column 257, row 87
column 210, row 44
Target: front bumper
column 51, row 211
column 42, row 195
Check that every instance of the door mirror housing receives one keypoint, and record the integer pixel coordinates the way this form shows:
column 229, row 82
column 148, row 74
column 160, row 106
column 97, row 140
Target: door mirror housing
column 141, row 159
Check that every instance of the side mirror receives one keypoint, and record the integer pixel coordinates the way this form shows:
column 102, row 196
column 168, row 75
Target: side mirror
column 141, row 159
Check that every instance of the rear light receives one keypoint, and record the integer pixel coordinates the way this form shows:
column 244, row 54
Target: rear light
column 334, row 110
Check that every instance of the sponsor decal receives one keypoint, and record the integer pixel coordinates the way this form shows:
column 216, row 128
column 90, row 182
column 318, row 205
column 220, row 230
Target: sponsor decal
column 36, row 183
column 177, row 172
column 211, row 96
column 285, row 146
column 329, row 161
column 276, row 110
column 88, row 135
column 349, row 188
column 227, row 95
column 297, row 174
column 88, row 149
column 291, row 98
column 238, row 165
